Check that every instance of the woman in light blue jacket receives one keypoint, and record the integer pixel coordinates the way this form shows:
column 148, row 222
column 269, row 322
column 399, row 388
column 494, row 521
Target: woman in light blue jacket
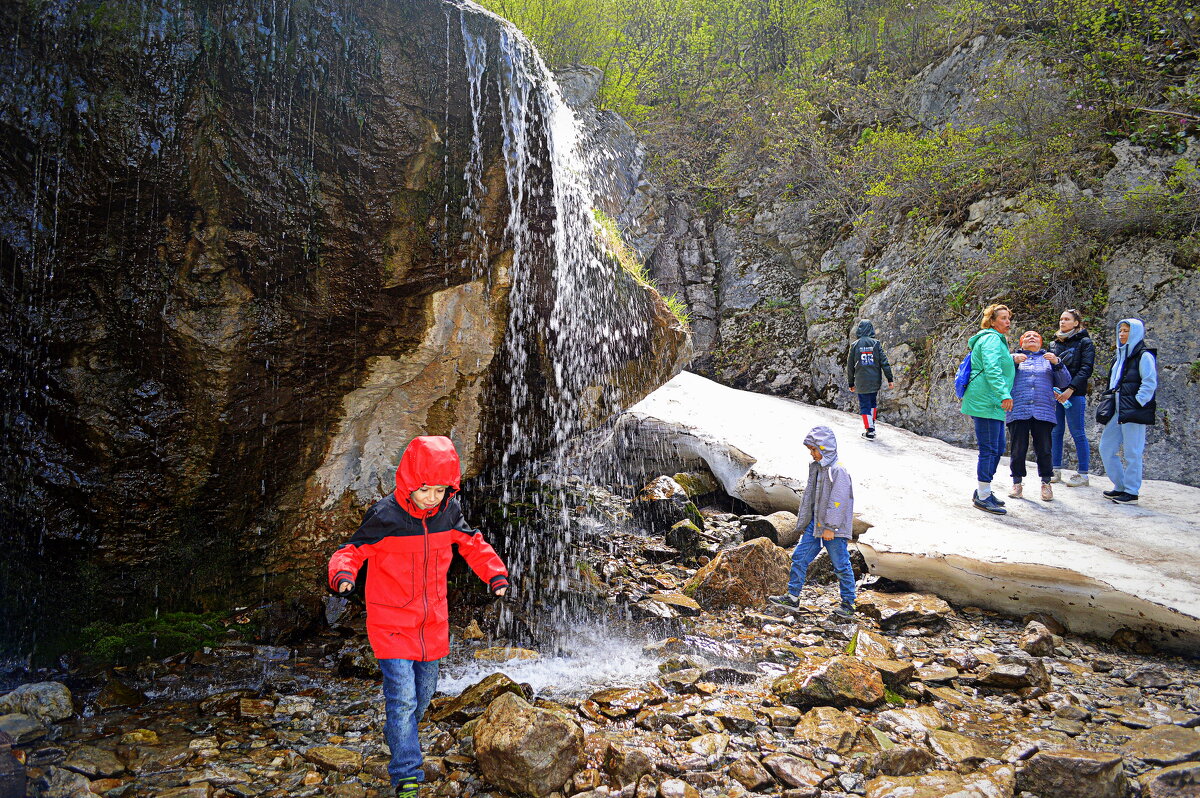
column 1133, row 382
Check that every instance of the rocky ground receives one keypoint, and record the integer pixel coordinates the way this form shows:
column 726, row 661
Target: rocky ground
column 913, row 697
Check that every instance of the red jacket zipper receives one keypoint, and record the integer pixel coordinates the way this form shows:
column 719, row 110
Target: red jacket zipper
column 424, row 587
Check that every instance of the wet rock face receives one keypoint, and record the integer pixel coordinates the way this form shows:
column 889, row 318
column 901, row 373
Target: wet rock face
column 242, row 281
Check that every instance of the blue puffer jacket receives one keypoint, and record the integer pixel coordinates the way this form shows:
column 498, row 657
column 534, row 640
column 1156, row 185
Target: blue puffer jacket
column 1033, row 389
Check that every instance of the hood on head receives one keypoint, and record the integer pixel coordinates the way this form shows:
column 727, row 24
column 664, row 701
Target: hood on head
column 1137, row 331
column 427, row 460
column 865, row 329
column 822, row 437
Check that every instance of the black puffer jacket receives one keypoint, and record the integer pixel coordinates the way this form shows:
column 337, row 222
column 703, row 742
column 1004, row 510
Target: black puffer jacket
column 1078, row 354
column 866, row 362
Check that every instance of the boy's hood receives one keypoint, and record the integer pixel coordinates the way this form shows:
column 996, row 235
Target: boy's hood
column 1137, row 331
column 823, row 439
column 427, row 460
column 865, row 329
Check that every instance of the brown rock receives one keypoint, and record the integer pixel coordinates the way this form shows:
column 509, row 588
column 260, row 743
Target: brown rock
column 750, row 773
column 677, row 788
column 331, row 757
column 1177, row 781
column 794, row 771
column 625, row 764
column 742, row 576
column 527, row 750
column 505, row 653
column 681, row 603
column 1047, row 620
column 902, row 760
column 839, row 681
column 93, row 762
column 1038, row 641
column 255, row 707
column 1014, row 673
column 828, row 727
column 871, row 645
column 958, row 748
column 472, row 702
column 781, row 717
column 473, row 632
column 894, row 672
column 116, row 693
column 897, row 610
column 909, row 720
column 201, row 790
column 1165, row 745
column 1068, row 773
column 993, row 782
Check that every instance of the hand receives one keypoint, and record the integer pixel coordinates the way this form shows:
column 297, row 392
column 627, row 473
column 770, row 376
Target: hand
column 1020, row 358
column 891, row 385
column 1063, row 396
column 1053, row 358
column 826, row 534
column 852, row 389
column 502, row 591
column 1006, row 405
column 345, row 586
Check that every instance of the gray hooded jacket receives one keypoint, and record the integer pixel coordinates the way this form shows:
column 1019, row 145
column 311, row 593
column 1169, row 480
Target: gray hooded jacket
column 829, row 495
column 866, row 362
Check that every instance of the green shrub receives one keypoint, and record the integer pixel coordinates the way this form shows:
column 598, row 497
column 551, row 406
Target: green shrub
column 154, row 637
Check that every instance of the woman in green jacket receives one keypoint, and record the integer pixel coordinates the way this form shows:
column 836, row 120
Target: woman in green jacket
column 988, row 395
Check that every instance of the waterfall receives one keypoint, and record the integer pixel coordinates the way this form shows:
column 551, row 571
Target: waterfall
column 563, row 330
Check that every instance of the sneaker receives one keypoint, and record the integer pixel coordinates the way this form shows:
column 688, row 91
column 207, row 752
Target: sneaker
column 1112, row 494
column 1057, row 475
column 988, row 505
column 1047, row 492
column 846, row 610
column 407, row 789
column 1015, row 493
column 1077, row 481
column 870, row 433
column 1125, row 498
column 785, row 600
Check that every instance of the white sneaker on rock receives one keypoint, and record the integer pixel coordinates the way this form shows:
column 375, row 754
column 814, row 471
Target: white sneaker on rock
column 1077, row 481
column 1057, row 475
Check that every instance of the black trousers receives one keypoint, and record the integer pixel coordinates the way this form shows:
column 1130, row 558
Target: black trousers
column 1019, row 432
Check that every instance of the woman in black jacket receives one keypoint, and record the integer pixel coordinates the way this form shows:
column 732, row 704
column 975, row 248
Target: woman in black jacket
column 1075, row 349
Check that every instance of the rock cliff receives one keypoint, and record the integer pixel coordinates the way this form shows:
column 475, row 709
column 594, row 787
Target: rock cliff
column 250, row 250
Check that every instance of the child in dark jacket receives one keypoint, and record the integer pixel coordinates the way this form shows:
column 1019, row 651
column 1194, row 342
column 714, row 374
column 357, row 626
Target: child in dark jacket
column 866, row 366
column 407, row 539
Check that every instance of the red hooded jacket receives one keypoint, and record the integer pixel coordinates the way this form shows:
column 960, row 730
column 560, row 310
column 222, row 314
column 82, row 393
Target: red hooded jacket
column 409, row 550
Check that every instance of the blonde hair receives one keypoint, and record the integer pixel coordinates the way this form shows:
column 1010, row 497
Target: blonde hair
column 989, row 315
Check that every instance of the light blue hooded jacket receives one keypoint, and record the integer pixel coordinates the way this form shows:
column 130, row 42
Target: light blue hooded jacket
column 829, row 495
column 1146, row 367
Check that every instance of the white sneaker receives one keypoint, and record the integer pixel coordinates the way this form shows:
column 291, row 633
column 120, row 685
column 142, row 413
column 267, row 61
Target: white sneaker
column 1015, row 493
column 1077, row 481
column 1057, row 475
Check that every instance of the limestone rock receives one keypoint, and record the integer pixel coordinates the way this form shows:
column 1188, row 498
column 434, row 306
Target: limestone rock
column 1165, row 745
column 1038, row 641
column 1070, row 773
column 839, row 681
column 682, row 604
column 626, row 764
column 958, row 748
column 779, row 527
column 828, row 727
column 1014, row 673
column 472, row 702
column 46, row 701
column 742, row 576
column 794, row 771
column 993, row 782
column 871, row 645
column 527, row 750
column 750, row 773
column 898, row 610
column 902, row 760
column 1177, row 781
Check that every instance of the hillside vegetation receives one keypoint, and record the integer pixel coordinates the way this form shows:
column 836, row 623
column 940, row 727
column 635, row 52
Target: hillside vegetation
column 806, row 99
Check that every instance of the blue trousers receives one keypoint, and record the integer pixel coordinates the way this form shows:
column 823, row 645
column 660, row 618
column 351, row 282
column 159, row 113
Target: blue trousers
column 1130, row 440
column 807, row 550
column 407, row 687
column 867, row 402
column 1072, row 417
column 989, row 434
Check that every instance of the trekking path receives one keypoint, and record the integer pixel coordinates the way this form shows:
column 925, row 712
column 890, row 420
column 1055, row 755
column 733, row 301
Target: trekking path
column 1092, row 564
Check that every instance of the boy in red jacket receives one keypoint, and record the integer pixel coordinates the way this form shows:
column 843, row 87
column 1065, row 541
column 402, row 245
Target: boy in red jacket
column 407, row 539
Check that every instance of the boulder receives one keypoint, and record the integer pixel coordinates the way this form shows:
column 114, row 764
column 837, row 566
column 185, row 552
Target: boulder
column 1068, row 773
column 794, row 771
column 1038, row 641
column 684, row 537
column 778, row 527
column 749, row 772
column 22, row 728
column 661, row 504
column 697, row 484
column 527, row 750
column 872, row 645
column 116, row 693
column 839, row 681
column 910, row 721
column 895, row 672
column 625, row 764
column 741, row 576
column 898, row 610
column 902, row 760
column 829, row 728
column 46, row 701
column 993, row 782
column 1165, row 745
column 1015, row 673
column 682, row 604
column 58, row 782
column 472, row 702
column 93, row 762
column 1177, row 781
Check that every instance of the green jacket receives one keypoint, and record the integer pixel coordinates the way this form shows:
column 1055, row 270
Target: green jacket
column 992, row 375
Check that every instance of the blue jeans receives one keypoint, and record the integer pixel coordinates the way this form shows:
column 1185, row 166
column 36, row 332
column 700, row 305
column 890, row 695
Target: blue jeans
column 407, row 688
column 1071, row 417
column 807, row 550
column 989, row 434
column 867, row 402
column 1131, row 439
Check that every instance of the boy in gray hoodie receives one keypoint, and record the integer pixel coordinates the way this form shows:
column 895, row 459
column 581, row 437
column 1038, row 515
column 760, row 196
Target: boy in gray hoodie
column 826, row 515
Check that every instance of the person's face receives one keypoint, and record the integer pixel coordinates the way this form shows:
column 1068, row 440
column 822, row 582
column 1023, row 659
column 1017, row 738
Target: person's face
column 1031, row 341
column 1123, row 334
column 1002, row 321
column 814, row 451
column 1067, row 322
column 427, row 497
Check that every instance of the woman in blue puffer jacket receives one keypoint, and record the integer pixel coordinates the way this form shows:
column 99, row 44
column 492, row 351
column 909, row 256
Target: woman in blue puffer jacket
column 1033, row 415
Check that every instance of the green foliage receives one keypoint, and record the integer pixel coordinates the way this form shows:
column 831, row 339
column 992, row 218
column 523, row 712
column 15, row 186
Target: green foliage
column 1194, row 371
column 154, row 637
column 610, row 237
column 678, row 308
column 892, row 697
